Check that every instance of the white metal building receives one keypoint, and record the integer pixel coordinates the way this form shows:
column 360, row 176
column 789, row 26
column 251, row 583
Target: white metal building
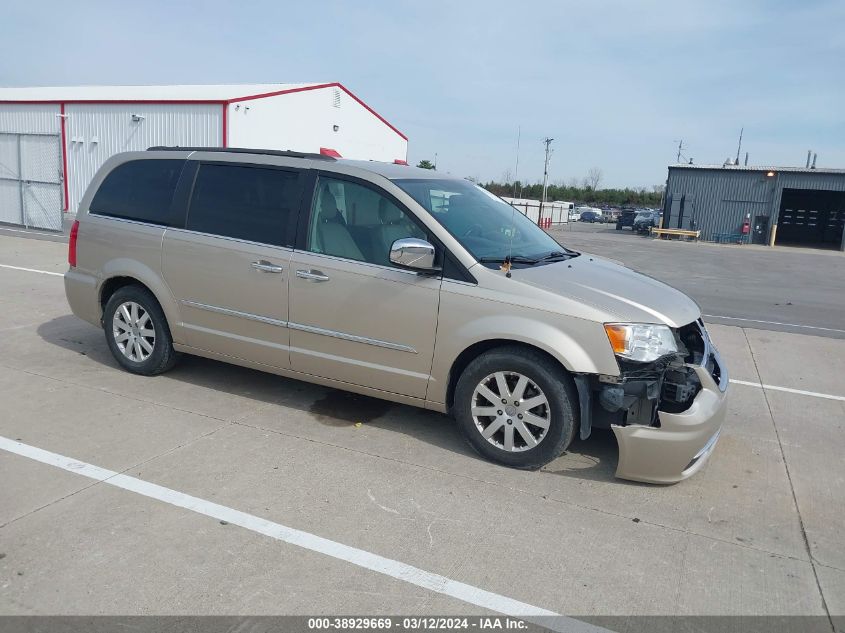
column 53, row 140
column 555, row 212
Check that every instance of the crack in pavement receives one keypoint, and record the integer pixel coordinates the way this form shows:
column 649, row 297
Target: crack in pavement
column 791, row 488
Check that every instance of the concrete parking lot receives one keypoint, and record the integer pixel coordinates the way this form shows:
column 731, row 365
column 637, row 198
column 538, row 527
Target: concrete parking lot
column 409, row 520
column 787, row 289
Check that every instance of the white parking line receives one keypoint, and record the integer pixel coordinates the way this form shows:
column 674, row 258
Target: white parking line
column 32, row 270
column 808, row 327
column 801, row 392
column 361, row 558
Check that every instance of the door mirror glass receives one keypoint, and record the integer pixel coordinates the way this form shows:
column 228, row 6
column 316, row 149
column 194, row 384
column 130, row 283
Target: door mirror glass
column 413, row 253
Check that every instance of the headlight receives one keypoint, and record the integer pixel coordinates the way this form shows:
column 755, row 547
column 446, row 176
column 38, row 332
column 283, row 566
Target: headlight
column 641, row 342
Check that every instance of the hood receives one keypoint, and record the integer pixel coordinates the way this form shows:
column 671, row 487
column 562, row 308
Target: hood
column 625, row 295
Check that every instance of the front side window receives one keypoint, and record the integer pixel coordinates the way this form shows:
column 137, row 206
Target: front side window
column 140, row 190
column 244, row 202
column 487, row 226
column 356, row 222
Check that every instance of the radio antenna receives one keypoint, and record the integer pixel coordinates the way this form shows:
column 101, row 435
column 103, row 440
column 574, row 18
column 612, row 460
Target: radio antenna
column 516, row 169
column 506, row 265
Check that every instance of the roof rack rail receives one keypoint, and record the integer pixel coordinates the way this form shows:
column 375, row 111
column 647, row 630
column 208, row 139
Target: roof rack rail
column 240, row 150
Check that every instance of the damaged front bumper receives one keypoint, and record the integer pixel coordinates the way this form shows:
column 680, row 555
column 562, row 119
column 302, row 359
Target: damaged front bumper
column 666, row 416
column 680, row 446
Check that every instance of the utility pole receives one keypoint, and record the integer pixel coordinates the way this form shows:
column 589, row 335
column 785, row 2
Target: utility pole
column 548, row 142
column 739, row 146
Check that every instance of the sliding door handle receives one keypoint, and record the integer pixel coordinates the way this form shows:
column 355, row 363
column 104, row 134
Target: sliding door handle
column 266, row 267
column 312, row 275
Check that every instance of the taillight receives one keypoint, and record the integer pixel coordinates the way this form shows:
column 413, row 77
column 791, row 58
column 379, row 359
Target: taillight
column 71, row 246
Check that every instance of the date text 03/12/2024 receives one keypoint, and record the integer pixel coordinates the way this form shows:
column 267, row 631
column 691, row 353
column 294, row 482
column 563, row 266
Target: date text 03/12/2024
column 427, row 623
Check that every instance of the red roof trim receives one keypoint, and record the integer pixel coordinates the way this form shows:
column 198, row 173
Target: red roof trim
column 320, row 87
column 328, row 151
column 373, row 112
column 221, row 101
column 283, row 92
column 150, row 101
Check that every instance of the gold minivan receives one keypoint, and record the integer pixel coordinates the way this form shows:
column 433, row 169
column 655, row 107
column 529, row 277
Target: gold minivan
column 399, row 283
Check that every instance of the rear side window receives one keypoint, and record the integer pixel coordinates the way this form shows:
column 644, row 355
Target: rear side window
column 139, row 190
column 245, row 202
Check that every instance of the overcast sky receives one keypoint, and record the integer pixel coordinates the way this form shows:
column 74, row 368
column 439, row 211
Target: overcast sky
column 616, row 84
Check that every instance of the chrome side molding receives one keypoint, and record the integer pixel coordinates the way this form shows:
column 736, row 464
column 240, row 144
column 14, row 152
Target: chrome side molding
column 301, row 327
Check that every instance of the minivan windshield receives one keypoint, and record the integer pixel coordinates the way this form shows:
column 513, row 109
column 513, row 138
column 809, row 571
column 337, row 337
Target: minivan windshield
column 487, row 226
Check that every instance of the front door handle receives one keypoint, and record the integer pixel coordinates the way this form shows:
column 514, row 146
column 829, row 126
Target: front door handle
column 264, row 266
column 312, row 275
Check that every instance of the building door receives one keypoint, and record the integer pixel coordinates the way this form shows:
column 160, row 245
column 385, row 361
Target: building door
column 31, row 180
column 760, row 230
column 811, row 217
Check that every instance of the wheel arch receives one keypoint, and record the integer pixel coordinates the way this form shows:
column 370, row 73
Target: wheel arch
column 477, row 349
column 117, row 277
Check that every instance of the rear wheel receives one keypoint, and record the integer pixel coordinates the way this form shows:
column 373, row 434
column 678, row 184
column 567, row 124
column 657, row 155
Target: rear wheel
column 516, row 406
column 137, row 332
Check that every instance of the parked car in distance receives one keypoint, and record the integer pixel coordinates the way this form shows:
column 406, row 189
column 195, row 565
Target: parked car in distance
column 644, row 220
column 590, row 216
column 398, row 283
column 610, row 216
column 625, row 219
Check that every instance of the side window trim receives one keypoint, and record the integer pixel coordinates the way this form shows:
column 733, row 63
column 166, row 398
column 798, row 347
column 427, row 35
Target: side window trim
column 289, row 235
column 306, row 206
column 182, row 196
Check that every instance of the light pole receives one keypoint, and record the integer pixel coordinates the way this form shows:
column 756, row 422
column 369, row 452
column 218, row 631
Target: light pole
column 548, row 142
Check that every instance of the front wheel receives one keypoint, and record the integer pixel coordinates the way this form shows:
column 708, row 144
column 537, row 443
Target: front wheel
column 517, row 407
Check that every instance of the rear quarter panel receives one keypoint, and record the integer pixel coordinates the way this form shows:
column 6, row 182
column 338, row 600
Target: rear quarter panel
column 108, row 248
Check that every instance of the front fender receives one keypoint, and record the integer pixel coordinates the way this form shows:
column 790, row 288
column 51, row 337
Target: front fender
column 581, row 346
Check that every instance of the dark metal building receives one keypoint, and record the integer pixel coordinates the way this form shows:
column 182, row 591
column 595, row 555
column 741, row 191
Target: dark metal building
column 783, row 205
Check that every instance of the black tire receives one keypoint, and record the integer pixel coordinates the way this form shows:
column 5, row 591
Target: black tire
column 551, row 378
column 163, row 356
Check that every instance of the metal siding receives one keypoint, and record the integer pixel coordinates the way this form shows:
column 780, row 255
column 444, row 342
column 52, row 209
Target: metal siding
column 36, row 118
column 723, row 197
column 95, row 132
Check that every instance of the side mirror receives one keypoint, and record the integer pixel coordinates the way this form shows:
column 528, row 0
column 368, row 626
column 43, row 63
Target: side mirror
column 413, row 253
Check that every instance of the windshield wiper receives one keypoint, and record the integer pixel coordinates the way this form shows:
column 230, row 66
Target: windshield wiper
column 556, row 255
column 514, row 259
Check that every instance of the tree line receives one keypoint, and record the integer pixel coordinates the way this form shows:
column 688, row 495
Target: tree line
column 587, row 190
column 640, row 197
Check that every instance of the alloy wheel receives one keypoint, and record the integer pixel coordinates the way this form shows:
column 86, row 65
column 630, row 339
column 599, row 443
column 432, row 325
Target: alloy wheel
column 133, row 331
column 510, row 411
